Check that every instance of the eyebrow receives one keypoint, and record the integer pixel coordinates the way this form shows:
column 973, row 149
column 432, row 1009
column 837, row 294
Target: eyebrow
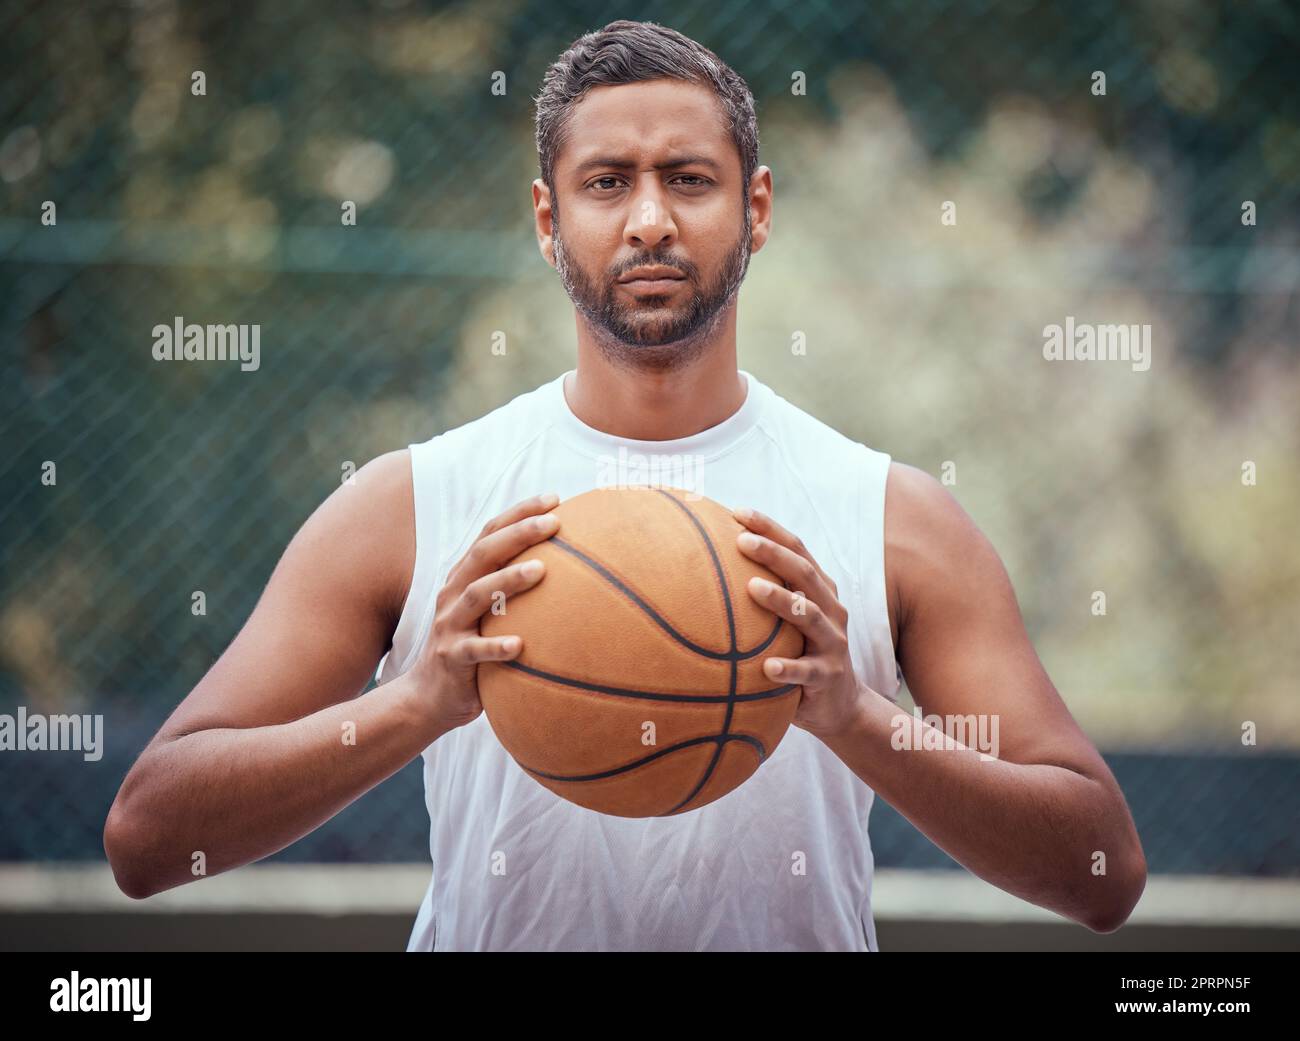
column 622, row 163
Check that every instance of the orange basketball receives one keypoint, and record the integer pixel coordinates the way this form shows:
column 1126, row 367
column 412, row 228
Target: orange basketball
column 640, row 691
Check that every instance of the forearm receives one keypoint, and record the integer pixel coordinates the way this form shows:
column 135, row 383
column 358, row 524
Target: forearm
column 236, row 796
column 1033, row 830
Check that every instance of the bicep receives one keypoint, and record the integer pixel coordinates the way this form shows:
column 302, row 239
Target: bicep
column 327, row 613
column 963, row 646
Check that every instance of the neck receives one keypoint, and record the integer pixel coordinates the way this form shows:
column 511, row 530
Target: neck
column 622, row 398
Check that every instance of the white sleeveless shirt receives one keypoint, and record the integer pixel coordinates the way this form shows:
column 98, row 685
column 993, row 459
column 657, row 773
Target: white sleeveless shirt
column 783, row 862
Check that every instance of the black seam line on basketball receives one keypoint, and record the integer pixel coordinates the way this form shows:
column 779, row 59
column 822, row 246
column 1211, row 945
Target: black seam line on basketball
column 718, row 570
column 649, row 695
column 721, row 574
column 718, row 739
column 658, row 619
column 717, row 748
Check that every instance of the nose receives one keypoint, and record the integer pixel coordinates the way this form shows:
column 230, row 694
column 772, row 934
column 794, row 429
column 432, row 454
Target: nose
column 650, row 224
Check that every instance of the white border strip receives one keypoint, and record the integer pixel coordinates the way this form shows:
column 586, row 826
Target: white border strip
column 327, row 889
column 335, row 889
column 1214, row 900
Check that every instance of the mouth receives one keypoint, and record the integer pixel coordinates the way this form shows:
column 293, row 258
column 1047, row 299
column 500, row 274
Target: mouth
column 643, row 286
column 651, row 279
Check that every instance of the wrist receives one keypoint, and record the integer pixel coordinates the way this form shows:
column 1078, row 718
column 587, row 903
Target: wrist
column 859, row 723
column 418, row 706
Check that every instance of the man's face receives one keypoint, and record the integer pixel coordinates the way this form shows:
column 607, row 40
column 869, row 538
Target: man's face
column 649, row 177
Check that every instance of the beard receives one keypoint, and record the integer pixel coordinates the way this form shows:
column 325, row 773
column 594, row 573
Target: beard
column 650, row 332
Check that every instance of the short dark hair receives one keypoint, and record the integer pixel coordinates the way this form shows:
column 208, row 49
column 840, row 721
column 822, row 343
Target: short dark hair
column 633, row 52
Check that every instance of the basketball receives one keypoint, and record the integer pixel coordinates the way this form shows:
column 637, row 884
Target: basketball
column 639, row 690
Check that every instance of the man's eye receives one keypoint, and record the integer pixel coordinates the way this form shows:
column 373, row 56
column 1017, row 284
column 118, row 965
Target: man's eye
column 696, row 181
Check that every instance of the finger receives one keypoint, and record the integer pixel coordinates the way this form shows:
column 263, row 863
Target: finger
column 764, row 525
column 798, row 572
column 526, row 508
column 491, row 551
column 470, row 650
column 537, row 505
column 798, row 610
column 484, row 594
column 807, row 672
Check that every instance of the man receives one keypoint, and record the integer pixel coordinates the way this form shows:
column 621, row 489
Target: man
column 649, row 205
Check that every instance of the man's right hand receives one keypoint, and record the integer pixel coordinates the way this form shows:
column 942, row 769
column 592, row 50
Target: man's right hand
column 447, row 669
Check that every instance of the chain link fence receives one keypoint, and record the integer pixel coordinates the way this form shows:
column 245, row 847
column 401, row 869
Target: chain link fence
column 1169, row 200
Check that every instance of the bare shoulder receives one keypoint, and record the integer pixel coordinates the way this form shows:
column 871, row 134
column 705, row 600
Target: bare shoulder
column 375, row 525
column 934, row 551
column 367, row 526
column 919, row 509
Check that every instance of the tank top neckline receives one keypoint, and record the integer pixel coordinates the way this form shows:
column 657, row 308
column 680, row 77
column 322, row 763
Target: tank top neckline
column 713, row 441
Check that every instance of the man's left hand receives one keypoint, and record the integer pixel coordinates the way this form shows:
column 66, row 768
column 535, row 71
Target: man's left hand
column 832, row 692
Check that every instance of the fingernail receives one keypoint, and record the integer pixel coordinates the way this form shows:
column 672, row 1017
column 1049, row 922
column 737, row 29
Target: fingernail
column 761, row 584
column 549, row 499
column 748, row 540
column 511, row 644
column 532, row 569
column 743, row 513
column 775, row 667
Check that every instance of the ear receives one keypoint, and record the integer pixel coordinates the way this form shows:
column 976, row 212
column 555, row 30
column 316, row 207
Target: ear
column 542, row 220
column 760, row 207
